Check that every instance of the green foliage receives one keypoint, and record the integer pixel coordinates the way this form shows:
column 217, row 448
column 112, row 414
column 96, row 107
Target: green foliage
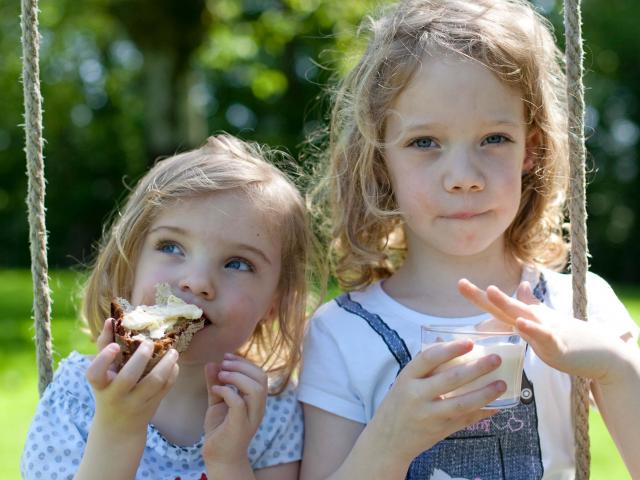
column 127, row 81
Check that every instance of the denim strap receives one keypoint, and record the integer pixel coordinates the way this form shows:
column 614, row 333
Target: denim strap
column 389, row 336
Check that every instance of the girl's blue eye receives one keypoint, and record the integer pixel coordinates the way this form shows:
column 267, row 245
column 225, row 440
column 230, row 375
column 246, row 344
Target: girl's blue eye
column 238, row 264
column 495, row 139
column 170, row 248
column 424, row 143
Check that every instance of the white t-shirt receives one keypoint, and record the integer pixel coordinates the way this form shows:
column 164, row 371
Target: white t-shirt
column 58, row 434
column 348, row 368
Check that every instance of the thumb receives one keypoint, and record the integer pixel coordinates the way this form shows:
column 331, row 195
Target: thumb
column 525, row 294
column 106, row 336
column 98, row 373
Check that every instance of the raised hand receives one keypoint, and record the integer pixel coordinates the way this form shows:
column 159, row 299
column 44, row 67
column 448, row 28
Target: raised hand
column 237, row 396
column 125, row 402
column 565, row 343
column 414, row 416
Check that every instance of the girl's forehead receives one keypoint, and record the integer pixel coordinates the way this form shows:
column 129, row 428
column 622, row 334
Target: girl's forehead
column 226, row 212
column 451, row 85
column 231, row 205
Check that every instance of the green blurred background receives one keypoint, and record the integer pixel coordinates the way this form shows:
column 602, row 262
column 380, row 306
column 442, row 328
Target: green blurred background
column 128, row 81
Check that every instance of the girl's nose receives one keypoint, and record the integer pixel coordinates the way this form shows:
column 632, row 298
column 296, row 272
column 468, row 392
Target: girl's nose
column 198, row 283
column 462, row 175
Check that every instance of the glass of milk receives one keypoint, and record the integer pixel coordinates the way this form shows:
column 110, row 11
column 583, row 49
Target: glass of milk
column 508, row 345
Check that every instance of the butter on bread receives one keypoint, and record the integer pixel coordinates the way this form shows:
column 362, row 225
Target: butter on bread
column 170, row 323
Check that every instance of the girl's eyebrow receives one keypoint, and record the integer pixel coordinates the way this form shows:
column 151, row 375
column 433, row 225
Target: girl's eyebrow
column 420, row 125
column 171, row 228
column 251, row 248
column 503, row 122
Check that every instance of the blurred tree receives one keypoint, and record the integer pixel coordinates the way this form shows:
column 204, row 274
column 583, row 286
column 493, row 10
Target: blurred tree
column 166, row 34
column 127, row 81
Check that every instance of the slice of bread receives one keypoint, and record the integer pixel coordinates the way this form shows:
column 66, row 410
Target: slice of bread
column 170, row 323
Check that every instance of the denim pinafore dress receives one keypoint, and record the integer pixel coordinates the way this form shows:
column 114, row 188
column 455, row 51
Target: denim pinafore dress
column 505, row 446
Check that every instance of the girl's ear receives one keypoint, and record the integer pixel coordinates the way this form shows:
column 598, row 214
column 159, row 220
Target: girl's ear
column 534, row 138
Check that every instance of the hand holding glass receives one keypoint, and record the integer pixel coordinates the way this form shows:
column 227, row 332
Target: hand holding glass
column 508, row 345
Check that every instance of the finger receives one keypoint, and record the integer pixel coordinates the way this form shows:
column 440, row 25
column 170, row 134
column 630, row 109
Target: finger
column 233, row 363
column 253, row 392
column 98, row 374
column 130, row 373
column 433, row 356
column 479, row 298
column 493, row 325
column 460, row 405
column 211, row 371
column 511, row 307
column 171, row 381
column 106, row 335
column 452, row 378
column 471, row 418
column 535, row 333
column 237, row 412
column 525, row 294
column 155, row 381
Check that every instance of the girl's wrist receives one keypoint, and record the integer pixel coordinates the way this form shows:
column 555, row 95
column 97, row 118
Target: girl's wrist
column 372, row 448
column 117, row 433
column 624, row 362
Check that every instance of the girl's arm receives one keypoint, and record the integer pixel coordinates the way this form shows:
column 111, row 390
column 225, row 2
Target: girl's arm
column 124, row 406
column 411, row 418
column 616, row 397
column 577, row 348
column 285, row 471
column 328, row 439
column 110, row 455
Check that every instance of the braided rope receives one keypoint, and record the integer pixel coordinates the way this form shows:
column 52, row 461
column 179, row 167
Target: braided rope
column 578, row 215
column 36, row 189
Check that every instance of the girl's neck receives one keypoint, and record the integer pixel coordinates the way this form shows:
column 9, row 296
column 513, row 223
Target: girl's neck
column 427, row 283
column 180, row 415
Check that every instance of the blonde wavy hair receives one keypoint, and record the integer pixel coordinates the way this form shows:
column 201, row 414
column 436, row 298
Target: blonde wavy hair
column 506, row 36
column 223, row 163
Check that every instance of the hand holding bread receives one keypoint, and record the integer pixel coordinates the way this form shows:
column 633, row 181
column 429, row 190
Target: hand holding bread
column 125, row 400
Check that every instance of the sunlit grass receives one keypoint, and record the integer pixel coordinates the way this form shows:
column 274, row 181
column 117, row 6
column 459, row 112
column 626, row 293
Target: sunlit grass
column 18, row 372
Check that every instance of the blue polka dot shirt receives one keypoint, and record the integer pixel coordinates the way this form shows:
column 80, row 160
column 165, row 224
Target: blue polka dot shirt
column 58, row 433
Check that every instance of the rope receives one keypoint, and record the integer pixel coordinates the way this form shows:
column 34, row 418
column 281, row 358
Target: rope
column 36, row 189
column 578, row 215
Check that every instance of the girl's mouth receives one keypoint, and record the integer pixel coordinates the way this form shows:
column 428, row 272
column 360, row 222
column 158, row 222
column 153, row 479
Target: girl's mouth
column 464, row 215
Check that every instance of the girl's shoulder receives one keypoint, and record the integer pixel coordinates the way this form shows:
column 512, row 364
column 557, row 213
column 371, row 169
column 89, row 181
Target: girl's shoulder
column 280, row 434
column 561, row 283
column 368, row 298
column 69, row 380
column 603, row 305
column 283, row 408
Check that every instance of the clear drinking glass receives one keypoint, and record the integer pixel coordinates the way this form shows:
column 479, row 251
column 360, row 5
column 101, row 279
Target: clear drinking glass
column 508, row 345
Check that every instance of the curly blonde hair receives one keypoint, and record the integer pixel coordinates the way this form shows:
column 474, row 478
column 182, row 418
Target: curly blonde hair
column 223, row 163
column 506, row 36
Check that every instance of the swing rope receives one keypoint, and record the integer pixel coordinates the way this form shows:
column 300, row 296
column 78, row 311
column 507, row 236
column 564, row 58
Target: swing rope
column 36, row 190
column 577, row 206
column 578, row 216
